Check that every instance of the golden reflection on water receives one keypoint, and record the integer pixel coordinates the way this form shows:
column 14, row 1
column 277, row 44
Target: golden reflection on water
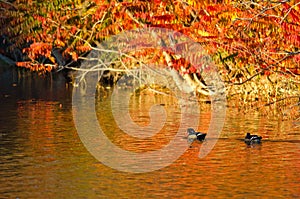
column 42, row 156
column 139, row 112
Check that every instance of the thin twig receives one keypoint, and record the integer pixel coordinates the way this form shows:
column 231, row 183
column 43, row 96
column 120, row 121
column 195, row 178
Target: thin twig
column 281, row 99
column 288, row 12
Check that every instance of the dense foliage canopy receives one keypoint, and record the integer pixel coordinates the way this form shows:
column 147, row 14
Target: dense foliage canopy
column 246, row 38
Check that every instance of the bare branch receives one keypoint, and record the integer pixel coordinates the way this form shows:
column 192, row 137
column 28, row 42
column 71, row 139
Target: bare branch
column 288, row 12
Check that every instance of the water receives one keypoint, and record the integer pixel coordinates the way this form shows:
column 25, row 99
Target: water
column 42, row 155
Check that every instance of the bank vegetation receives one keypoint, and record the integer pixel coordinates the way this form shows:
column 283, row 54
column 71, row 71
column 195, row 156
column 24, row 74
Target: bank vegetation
column 255, row 45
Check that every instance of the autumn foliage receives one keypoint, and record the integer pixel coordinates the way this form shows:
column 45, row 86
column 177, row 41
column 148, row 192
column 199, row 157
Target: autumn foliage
column 245, row 38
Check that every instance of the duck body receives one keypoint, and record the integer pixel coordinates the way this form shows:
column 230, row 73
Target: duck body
column 252, row 139
column 193, row 135
column 200, row 136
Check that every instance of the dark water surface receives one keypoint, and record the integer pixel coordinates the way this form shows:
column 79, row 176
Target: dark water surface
column 42, row 155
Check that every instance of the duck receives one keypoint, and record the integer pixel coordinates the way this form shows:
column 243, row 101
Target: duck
column 193, row 135
column 252, row 139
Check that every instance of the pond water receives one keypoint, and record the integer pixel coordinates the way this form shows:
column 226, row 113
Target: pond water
column 42, row 155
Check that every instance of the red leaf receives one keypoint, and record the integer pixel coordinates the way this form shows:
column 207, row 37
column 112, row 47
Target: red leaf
column 166, row 17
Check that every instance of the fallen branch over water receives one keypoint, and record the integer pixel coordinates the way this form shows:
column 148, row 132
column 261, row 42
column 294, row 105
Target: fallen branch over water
column 7, row 60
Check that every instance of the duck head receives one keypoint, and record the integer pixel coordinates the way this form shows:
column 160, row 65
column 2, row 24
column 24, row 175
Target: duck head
column 191, row 131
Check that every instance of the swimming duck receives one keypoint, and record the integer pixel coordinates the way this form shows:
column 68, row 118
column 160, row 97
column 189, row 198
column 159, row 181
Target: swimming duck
column 252, row 139
column 193, row 135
